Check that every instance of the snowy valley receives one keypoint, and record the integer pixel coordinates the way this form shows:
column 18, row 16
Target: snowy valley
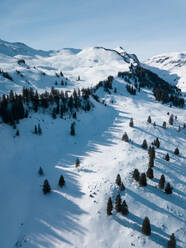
column 112, row 89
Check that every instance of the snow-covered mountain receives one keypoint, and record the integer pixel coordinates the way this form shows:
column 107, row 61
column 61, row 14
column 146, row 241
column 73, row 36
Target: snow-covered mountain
column 39, row 70
column 76, row 214
column 171, row 67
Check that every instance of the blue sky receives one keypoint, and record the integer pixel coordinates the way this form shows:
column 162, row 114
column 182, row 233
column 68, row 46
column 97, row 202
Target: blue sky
column 144, row 27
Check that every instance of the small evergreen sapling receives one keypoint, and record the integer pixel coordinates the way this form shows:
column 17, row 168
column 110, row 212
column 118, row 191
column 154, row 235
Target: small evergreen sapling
column 77, row 162
column 35, row 129
column 146, row 228
column 176, row 151
column 40, row 171
column 124, row 208
column 122, row 187
column 171, row 120
column 118, row 180
column 167, row 157
column 136, row 175
column 17, row 133
column 168, row 189
column 125, row 137
column 131, row 123
column 157, row 143
column 149, row 119
column 144, row 144
column 150, row 173
column 109, row 206
column 72, row 129
column 46, row 187
column 142, row 180
column 61, row 182
column 118, row 203
column 151, row 161
column 164, row 125
column 172, row 241
column 162, row 182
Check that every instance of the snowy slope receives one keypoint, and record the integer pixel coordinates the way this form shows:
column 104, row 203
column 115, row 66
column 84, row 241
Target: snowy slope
column 39, row 71
column 75, row 215
column 171, row 67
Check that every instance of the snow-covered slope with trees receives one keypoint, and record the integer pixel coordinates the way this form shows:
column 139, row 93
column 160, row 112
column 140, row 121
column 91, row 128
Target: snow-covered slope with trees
column 171, row 67
column 75, row 215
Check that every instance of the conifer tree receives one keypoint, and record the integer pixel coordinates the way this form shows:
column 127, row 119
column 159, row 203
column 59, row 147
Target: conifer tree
column 40, row 171
column 136, row 175
column 171, row 120
column 109, row 206
column 164, row 125
column 150, row 173
column 144, row 144
column 151, row 151
column 39, row 129
column 118, row 203
column 61, row 182
column 72, row 129
column 154, row 124
column 167, row 157
column 176, row 151
column 172, row 241
column 151, row 161
column 46, row 187
column 118, row 180
column 146, row 228
column 122, row 187
column 131, row 123
column 17, row 133
column 125, row 137
column 142, row 180
column 157, row 143
column 162, row 182
column 77, row 162
column 35, row 129
column 168, row 189
column 124, row 208
column 149, row 119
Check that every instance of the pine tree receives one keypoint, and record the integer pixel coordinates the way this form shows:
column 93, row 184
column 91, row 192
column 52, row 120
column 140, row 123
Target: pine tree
column 167, row 157
column 157, row 143
column 172, row 241
column 61, row 182
column 168, row 189
column 72, row 129
column 122, row 187
column 151, row 151
column 162, row 182
column 124, row 208
column 77, row 163
column 17, row 133
column 154, row 124
column 131, row 123
column 136, row 175
column 164, row 125
column 125, row 137
column 109, row 206
column 171, row 120
column 144, row 144
column 35, row 129
column 146, row 228
column 176, row 151
column 39, row 129
column 118, row 203
column 150, row 173
column 46, row 187
column 40, row 171
column 142, row 180
column 151, row 161
column 118, row 180
column 149, row 119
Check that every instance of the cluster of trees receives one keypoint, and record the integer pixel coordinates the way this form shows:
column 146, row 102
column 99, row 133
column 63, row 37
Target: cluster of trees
column 119, row 206
column 46, row 185
column 37, row 129
column 120, row 183
column 14, row 107
column 162, row 90
column 131, row 89
column 6, row 75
